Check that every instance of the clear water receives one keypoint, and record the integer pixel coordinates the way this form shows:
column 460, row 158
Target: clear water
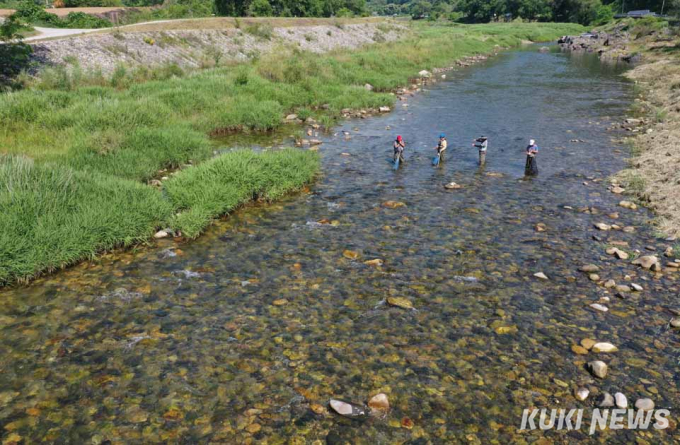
column 183, row 342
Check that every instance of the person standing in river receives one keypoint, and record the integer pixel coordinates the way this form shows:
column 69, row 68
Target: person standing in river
column 399, row 147
column 531, row 168
column 481, row 143
column 441, row 147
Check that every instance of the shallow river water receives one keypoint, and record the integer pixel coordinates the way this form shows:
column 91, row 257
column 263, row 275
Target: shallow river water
column 246, row 333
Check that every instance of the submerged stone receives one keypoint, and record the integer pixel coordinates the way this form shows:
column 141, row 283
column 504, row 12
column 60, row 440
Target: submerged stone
column 598, row 369
column 400, row 302
column 604, row 347
column 347, row 409
column 644, row 404
column 380, row 403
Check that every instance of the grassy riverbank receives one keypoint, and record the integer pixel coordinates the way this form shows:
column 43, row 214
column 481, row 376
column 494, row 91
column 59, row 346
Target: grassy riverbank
column 94, row 141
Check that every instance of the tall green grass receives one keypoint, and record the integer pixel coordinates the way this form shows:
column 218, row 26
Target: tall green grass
column 220, row 185
column 93, row 140
column 52, row 216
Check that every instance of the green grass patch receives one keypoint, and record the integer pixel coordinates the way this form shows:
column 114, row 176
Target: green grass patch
column 52, row 216
column 220, row 185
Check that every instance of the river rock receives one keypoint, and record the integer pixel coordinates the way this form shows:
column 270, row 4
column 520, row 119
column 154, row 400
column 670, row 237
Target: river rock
column 589, row 268
column 400, row 302
column 393, row 204
column 581, row 394
column 368, row 87
column 609, row 284
column 541, row 275
column 675, row 323
column 629, row 229
column 452, row 186
column 599, row 307
column 606, row 400
column 350, row 254
column 347, row 409
column 588, row 343
column 580, row 350
column 604, row 347
column 644, row 404
column 540, row 227
column 636, row 287
column 594, row 277
column 380, row 403
column 646, row 262
column 598, row 369
column 618, row 190
column 628, row 205
column 621, row 401
column 376, row 262
column 425, row 73
column 161, row 234
column 620, row 254
column 291, row 117
column 668, row 252
column 384, row 109
column 622, row 288
column 602, row 226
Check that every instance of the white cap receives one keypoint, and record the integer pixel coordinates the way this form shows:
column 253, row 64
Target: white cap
column 532, row 142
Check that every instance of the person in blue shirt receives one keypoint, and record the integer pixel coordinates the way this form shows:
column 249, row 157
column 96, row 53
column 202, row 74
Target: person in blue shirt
column 531, row 168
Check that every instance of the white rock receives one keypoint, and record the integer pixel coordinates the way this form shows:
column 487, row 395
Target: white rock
column 604, row 347
column 541, row 275
column 368, row 87
column 581, row 394
column 425, row 73
column 598, row 368
column 346, row 409
column 644, row 404
column 384, row 109
column 636, row 287
column 675, row 322
column 599, row 307
column 291, row 117
column 602, row 226
column 621, row 401
column 607, row 400
column 161, row 234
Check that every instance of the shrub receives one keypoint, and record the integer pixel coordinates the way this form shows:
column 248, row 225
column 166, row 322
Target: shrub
column 263, row 31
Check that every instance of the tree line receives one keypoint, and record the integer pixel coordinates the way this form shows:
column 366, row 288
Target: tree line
column 586, row 12
column 290, row 8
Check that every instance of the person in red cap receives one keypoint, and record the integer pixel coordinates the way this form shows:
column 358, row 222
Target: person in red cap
column 399, row 147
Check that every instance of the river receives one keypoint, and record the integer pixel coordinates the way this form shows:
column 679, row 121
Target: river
column 245, row 334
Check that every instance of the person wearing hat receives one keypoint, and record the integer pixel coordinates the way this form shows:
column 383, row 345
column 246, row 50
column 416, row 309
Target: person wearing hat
column 399, row 147
column 531, row 168
column 481, row 144
column 441, row 147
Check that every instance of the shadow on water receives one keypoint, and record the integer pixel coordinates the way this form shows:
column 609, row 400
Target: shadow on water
column 247, row 332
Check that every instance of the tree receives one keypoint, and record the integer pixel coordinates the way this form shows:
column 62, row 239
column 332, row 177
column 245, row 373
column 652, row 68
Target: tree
column 421, row 9
column 231, row 8
column 260, row 8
